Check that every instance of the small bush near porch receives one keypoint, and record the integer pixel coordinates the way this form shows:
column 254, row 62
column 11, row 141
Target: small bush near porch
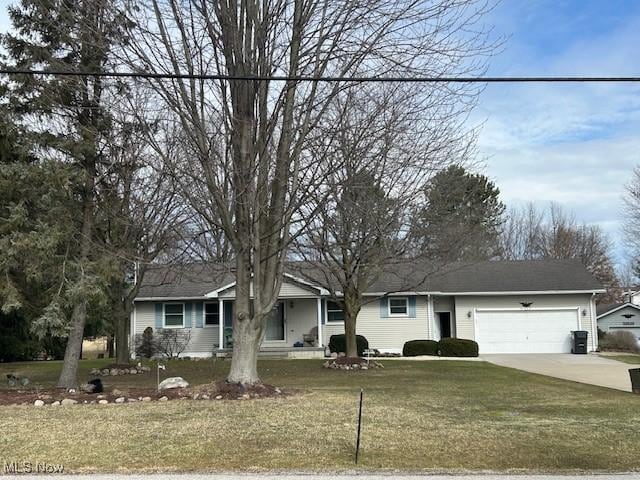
column 433, row 416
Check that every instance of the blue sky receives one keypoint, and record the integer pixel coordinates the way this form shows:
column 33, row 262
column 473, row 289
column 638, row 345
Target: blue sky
column 573, row 144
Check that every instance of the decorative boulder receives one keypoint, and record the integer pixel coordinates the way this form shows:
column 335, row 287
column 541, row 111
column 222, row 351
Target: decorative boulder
column 173, row 382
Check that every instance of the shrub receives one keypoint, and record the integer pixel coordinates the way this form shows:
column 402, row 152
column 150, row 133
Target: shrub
column 338, row 344
column 620, row 341
column 173, row 341
column 458, row 347
column 413, row 348
column 145, row 344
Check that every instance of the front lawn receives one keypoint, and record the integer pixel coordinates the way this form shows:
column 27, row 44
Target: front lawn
column 417, row 416
column 629, row 358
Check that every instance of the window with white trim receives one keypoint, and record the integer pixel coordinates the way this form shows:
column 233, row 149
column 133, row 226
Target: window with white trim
column 335, row 314
column 211, row 314
column 173, row 315
column 398, row 306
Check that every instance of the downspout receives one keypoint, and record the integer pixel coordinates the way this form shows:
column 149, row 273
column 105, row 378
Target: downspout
column 594, row 324
column 429, row 320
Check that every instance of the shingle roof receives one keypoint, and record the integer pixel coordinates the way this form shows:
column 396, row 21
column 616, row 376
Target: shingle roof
column 604, row 309
column 198, row 279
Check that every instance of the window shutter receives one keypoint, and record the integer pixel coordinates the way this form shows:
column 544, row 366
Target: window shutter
column 412, row 307
column 199, row 314
column 187, row 314
column 158, row 316
column 323, row 311
column 384, row 308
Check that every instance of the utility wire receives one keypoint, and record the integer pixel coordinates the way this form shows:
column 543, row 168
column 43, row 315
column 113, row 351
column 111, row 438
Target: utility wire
column 304, row 78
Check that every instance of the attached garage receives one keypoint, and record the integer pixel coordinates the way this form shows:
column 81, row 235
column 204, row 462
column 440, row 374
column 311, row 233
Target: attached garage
column 542, row 330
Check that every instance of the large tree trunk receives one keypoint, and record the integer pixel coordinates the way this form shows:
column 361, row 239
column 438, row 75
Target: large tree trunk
column 247, row 330
column 246, row 345
column 122, row 328
column 352, row 306
column 74, row 347
column 73, row 350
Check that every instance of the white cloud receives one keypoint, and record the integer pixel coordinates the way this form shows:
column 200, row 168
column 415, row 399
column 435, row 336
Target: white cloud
column 575, row 144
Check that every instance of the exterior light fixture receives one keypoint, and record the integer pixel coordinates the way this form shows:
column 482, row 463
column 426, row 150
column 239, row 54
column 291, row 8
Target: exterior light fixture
column 469, row 314
column 584, row 312
column 526, row 304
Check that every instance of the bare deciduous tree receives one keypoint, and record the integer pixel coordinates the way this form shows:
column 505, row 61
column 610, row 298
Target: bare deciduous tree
column 384, row 151
column 632, row 224
column 530, row 234
column 248, row 137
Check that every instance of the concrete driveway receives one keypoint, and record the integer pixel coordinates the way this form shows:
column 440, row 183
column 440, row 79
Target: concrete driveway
column 591, row 368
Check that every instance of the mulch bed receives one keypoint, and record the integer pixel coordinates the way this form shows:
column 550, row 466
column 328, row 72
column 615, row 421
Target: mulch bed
column 213, row 391
column 235, row 391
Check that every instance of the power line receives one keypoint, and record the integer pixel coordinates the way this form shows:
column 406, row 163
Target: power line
column 304, row 78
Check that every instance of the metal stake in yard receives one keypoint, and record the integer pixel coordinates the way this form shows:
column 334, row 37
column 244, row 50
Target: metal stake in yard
column 359, row 426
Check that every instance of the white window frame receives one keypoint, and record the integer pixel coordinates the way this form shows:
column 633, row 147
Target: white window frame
column 406, row 302
column 164, row 314
column 326, row 314
column 204, row 314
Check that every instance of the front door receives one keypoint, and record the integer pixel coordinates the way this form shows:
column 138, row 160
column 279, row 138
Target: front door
column 276, row 324
column 445, row 324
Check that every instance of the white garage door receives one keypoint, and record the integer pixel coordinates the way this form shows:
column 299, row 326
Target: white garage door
column 525, row 331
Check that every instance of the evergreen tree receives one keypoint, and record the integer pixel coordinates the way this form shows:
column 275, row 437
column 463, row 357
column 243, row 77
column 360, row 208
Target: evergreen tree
column 70, row 121
column 461, row 219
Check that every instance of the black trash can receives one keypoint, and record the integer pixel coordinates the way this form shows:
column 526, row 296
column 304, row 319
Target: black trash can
column 579, row 342
column 634, row 373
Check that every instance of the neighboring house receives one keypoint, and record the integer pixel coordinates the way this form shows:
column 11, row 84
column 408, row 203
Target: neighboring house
column 620, row 316
column 506, row 306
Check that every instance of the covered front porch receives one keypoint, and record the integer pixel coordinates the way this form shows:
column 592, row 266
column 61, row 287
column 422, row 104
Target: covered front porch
column 293, row 330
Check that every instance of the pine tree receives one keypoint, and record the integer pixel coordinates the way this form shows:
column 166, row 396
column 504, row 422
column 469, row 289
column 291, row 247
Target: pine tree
column 69, row 119
column 461, row 218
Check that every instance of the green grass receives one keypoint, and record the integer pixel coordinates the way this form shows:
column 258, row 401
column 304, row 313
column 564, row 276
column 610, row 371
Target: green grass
column 630, row 358
column 418, row 416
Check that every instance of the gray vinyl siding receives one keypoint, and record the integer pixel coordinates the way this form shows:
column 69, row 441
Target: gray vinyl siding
column 203, row 340
column 300, row 314
column 465, row 305
column 617, row 319
column 386, row 334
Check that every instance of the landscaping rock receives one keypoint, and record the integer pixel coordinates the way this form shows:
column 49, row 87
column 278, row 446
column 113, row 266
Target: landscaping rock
column 55, row 404
column 104, row 372
column 173, row 382
column 114, row 372
column 218, row 397
column 119, row 400
column 163, row 399
column 38, row 403
column 146, row 399
column 205, row 396
column 116, row 393
column 132, row 400
column 103, row 402
column 68, row 401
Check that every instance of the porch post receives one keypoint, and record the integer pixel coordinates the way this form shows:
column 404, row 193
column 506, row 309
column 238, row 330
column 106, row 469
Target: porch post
column 319, row 315
column 221, row 324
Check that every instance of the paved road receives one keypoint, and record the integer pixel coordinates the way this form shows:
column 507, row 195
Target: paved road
column 592, row 369
column 328, row 476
